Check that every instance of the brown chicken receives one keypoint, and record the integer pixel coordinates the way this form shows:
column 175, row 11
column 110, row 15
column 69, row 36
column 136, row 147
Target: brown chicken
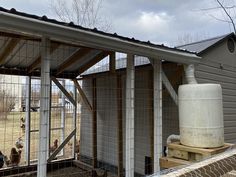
column 22, row 124
column 19, row 143
column 54, row 147
column 15, row 157
column 77, row 146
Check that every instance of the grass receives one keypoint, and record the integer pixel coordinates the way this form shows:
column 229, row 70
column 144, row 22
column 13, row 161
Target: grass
column 10, row 131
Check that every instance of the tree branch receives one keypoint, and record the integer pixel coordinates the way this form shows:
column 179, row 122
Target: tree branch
column 227, row 14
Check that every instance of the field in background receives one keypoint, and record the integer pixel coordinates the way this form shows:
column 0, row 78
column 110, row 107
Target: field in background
column 10, row 131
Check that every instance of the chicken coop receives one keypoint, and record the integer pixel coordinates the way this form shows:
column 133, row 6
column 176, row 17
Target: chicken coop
column 82, row 102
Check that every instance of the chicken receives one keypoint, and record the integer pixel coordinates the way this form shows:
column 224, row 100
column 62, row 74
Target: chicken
column 70, row 144
column 6, row 160
column 15, row 157
column 22, row 124
column 77, row 147
column 19, row 143
column 54, row 147
column 1, row 159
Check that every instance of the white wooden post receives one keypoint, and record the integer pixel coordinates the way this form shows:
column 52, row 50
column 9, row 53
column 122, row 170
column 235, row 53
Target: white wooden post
column 63, row 115
column 27, row 119
column 75, row 121
column 157, row 89
column 129, row 136
column 44, row 108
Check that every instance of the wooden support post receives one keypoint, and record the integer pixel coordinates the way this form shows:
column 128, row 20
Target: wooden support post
column 151, row 118
column 62, row 145
column 169, row 87
column 63, row 114
column 82, row 94
column 94, row 123
column 37, row 60
column 112, row 62
column 75, row 122
column 44, row 109
column 129, row 137
column 119, row 126
column 27, row 119
column 64, row 91
column 157, row 91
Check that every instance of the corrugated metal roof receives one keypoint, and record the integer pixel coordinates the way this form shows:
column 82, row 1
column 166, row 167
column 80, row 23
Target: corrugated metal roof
column 25, row 53
column 95, row 30
column 201, row 46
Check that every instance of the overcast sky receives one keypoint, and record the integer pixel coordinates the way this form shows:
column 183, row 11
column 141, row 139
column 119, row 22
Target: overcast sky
column 160, row 21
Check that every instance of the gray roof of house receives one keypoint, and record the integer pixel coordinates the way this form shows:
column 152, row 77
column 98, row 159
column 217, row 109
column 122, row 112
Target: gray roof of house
column 201, row 46
column 198, row 47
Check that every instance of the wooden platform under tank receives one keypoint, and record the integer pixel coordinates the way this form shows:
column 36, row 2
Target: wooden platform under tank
column 184, row 155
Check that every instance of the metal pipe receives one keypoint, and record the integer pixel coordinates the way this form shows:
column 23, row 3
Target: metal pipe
column 172, row 138
column 189, row 74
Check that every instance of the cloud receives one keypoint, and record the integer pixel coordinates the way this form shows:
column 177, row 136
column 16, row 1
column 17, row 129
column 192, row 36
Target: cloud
column 152, row 22
column 160, row 21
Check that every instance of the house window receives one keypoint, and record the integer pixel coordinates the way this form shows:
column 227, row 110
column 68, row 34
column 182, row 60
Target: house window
column 230, row 45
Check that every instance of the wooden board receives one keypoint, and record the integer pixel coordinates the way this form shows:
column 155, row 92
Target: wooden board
column 176, row 150
column 230, row 174
column 169, row 162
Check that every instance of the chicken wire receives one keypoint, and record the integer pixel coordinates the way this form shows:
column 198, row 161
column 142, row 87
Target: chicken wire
column 100, row 120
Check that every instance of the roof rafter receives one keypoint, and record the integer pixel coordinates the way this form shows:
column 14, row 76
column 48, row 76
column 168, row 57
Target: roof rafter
column 8, row 49
column 37, row 60
column 76, row 56
column 93, row 61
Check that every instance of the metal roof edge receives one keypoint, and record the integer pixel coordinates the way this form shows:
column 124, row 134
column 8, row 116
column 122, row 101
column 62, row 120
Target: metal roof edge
column 101, row 41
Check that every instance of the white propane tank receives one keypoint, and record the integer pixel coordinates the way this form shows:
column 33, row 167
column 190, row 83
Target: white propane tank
column 201, row 115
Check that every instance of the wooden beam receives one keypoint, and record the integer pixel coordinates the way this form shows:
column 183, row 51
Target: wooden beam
column 151, row 118
column 112, row 62
column 157, row 111
column 37, row 60
column 82, row 94
column 169, row 87
column 129, row 112
column 35, row 64
column 62, row 145
column 19, row 36
column 64, row 91
column 45, row 93
column 119, row 126
column 76, row 56
column 27, row 120
column 94, row 123
column 8, row 49
column 92, row 62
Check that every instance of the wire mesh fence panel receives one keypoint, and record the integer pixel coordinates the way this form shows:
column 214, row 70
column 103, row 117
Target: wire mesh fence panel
column 87, row 111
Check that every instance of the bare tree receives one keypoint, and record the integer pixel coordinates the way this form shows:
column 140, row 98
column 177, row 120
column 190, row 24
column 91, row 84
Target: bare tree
column 188, row 38
column 228, row 11
column 86, row 13
column 7, row 103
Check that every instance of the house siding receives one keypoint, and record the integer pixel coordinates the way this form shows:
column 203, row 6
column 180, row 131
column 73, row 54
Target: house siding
column 212, row 72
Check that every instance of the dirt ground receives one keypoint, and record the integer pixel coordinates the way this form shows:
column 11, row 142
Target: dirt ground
column 10, row 131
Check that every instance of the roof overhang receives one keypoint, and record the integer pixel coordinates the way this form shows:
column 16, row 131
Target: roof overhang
column 66, row 34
